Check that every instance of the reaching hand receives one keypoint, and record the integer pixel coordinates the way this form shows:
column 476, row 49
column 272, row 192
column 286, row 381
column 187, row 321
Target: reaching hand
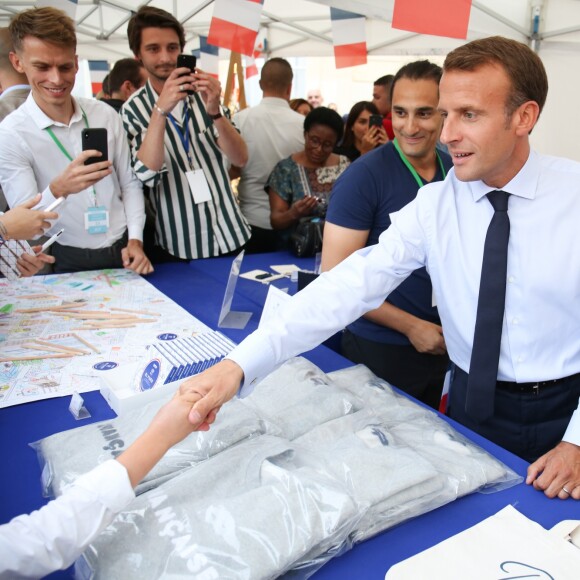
column 216, row 386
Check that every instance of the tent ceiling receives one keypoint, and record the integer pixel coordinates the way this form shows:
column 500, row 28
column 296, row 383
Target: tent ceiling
column 302, row 28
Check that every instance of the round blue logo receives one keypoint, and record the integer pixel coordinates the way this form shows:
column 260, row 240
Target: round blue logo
column 105, row 365
column 167, row 336
column 150, row 375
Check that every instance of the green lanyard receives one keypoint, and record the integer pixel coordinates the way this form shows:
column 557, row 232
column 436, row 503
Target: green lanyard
column 420, row 182
column 65, row 152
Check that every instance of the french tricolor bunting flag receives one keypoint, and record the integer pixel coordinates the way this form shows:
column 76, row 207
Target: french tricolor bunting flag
column 442, row 18
column 98, row 70
column 235, row 24
column 251, row 66
column 349, row 38
column 209, row 61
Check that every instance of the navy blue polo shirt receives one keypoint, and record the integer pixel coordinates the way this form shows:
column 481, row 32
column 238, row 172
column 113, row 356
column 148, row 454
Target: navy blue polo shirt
column 375, row 185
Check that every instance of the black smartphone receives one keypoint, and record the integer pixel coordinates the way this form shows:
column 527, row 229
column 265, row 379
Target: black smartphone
column 95, row 139
column 375, row 121
column 189, row 61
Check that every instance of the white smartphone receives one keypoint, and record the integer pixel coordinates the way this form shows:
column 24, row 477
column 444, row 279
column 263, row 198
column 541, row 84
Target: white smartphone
column 55, row 204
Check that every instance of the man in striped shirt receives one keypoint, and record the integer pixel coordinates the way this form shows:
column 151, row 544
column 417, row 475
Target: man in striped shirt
column 179, row 144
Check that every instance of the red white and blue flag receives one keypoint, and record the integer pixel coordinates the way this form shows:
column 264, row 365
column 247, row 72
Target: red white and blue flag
column 98, row 70
column 208, row 57
column 235, row 24
column 349, row 38
column 251, row 66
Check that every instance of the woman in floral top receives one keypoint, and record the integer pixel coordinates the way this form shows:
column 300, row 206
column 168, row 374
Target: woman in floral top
column 300, row 185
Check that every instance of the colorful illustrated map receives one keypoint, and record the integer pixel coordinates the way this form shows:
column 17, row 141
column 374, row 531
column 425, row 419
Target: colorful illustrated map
column 60, row 333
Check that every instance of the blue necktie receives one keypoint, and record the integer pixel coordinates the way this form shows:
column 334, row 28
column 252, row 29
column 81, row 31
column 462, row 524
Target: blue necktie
column 479, row 404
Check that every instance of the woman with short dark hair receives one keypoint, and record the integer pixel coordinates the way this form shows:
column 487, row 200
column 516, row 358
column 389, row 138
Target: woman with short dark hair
column 300, row 185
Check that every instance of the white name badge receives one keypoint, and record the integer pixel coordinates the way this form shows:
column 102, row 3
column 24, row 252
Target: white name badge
column 97, row 220
column 198, row 186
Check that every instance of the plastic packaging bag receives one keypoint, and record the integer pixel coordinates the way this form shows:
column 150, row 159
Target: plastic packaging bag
column 253, row 511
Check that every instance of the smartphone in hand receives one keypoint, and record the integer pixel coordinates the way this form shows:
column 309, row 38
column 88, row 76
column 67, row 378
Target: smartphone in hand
column 188, row 61
column 95, row 139
column 375, row 121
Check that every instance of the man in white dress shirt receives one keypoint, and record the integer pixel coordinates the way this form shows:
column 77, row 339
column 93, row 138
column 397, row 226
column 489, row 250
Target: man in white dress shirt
column 41, row 151
column 272, row 131
column 491, row 95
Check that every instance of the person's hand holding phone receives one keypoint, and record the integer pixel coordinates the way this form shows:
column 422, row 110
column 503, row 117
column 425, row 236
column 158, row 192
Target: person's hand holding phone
column 78, row 176
column 210, row 90
column 375, row 135
column 179, row 83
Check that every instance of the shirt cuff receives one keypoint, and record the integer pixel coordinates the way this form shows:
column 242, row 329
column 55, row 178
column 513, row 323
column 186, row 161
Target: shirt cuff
column 572, row 434
column 110, row 484
column 148, row 176
column 47, row 198
column 255, row 366
column 134, row 232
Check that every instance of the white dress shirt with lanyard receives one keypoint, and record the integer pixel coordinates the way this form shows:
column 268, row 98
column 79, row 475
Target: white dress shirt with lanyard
column 34, row 150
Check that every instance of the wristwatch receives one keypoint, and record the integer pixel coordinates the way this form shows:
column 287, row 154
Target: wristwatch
column 218, row 115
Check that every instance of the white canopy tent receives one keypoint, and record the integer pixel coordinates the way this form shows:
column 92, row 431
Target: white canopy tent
column 301, row 29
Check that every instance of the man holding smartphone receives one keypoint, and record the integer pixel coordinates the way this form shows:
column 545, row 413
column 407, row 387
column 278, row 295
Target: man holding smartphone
column 41, row 151
column 179, row 144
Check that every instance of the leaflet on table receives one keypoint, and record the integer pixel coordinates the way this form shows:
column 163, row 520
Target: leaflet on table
column 172, row 360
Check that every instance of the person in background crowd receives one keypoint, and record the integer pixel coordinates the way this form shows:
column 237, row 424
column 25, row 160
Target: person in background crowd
column 314, row 97
column 359, row 137
column 125, row 78
column 181, row 144
column 105, row 92
column 15, row 87
column 301, row 106
column 41, row 150
column 300, row 185
column 402, row 341
column 382, row 101
column 272, row 131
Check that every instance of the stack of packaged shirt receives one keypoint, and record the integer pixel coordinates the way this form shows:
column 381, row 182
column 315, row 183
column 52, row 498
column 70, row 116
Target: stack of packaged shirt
column 284, row 480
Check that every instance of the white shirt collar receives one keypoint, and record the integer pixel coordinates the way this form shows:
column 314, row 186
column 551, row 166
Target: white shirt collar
column 42, row 120
column 523, row 184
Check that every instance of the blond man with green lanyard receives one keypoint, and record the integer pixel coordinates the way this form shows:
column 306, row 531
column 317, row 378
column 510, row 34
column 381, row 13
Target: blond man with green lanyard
column 41, row 152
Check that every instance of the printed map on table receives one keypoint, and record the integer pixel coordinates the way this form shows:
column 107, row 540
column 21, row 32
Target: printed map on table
column 60, row 333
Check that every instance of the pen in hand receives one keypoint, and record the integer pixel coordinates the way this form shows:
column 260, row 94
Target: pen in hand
column 50, row 241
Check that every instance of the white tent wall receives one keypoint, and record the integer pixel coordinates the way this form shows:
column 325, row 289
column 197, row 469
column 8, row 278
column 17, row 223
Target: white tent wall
column 301, row 29
column 557, row 132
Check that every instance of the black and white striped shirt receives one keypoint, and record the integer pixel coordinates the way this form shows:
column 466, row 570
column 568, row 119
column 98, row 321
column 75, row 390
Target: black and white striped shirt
column 183, row 228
